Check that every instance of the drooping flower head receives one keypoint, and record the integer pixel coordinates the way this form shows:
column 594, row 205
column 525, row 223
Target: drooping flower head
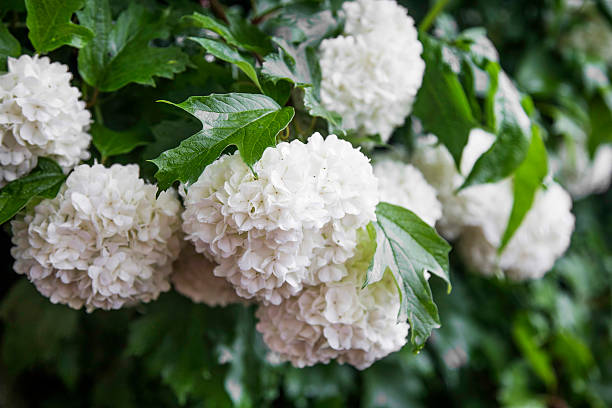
column 581, row 175
column 478, row 215
column 193, row 277
column 40, row 115
column 104, row 242
column 372, row 73
column 293, row 224
column 542, row 238
column 337, row 320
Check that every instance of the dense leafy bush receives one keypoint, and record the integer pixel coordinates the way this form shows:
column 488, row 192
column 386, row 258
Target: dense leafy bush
column 299, row 164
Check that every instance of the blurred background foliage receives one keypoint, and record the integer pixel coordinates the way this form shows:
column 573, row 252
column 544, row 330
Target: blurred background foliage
column 546, row 343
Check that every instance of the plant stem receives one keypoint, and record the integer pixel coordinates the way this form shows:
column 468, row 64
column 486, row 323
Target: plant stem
column 98, row 114
column 432, row 14
column 258, row 18
column 217, row 9
column 94, row 98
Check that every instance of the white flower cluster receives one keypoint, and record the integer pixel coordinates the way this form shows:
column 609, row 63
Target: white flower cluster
column 580, row 175
column 104, row 242
column 371, row 74
column 193, row 277
column 542, row 237
column 40, row 115
column 478, row 215
column 404, row 185
column 294, row 224
column 337, row 320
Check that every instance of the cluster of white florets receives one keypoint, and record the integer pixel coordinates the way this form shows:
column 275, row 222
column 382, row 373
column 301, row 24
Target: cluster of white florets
column 40, row 115
column 293, row 224
column 477, row 216
column 581, row 175
column 372, row 73
column 543, row 236
column 404, row 185
column 337, row 320
column 104, row 242
column 193, row 277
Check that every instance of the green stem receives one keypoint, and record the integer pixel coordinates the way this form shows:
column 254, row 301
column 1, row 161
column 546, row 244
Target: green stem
column 98, row 114
column 432, row 14
column 94, row 98
column 258, row 18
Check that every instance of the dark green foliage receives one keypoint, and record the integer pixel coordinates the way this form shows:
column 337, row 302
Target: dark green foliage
column 49, row 22
column 120, row 51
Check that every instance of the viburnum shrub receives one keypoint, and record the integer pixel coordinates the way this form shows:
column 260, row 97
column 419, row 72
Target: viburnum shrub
column 295, row 175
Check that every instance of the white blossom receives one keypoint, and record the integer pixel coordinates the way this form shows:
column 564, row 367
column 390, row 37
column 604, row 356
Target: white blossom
column 478, row 215
column 337, row 320
column 293, row 224
column 193, row 277
column 372, row 73
column 543, row 236
column 403, row 184
column 104, row 242
column 580, row 175
column 40, row 115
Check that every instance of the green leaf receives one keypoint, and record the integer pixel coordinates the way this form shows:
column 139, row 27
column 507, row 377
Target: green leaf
column 280, row 91
column 112, row 143
column 50, row 26
column 121, row 52
column 527, row 180
column 601, row 122
column 228, row 54
column 9, row 46
column 44, row 181
column 292, row 64
column 239, row 33
column 249, row 122
column 409, row 247
column 513, row 129
column 441, row 104
column 300, row 67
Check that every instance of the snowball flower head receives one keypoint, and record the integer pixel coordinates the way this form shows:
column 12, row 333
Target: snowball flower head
column 193, row 277
column 543, row 236
column 337, row 320
column 478, row 215
column 40, row 115
column 104, row 242
column 404, row 185
column 372, row 73
column 295, row 224
column 582, row 176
